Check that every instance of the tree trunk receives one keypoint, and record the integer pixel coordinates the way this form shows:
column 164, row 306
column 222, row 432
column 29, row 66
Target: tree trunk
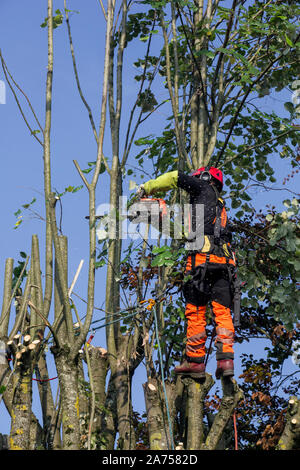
column 50, row 429
column 21, row 410
column 157, row 417
column 68, row 380
column 290, row 438
column 109, row 418
column 196, row 393
column 99, row 368
column 4, row 442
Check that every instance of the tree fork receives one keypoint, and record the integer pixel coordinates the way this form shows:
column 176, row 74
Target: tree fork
column 232, row 394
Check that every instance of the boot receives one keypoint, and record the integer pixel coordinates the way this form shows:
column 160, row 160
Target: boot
column 195, row 370
column 225, row 368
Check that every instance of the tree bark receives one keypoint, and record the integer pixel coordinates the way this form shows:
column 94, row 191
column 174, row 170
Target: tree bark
column 196, row 393
column 290, row 438
column 99, row 369
column 52, row 434
column 19, row 438
column 7, row 290
column 157, row 419
column 68, row 381
column 232, row 394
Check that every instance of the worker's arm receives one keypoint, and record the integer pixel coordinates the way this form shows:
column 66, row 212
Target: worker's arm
column 189, row 183
column 170, row 180
column 162, row 183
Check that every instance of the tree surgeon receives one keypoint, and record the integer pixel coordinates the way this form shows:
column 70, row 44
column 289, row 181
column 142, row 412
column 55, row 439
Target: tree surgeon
column 209, row 268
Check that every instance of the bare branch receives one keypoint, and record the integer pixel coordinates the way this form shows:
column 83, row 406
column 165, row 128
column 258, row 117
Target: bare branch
column 81, row 174
column 76, row 73
column 6, row 73
column 45, row 321
column 103, row 9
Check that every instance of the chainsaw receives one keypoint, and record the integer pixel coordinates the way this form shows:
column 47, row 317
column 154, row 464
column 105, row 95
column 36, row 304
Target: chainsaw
column 148, row 210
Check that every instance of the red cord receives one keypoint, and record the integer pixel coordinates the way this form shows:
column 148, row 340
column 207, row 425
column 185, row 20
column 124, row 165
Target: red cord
column 53, row 378
column 44, row 380
column 235, row 432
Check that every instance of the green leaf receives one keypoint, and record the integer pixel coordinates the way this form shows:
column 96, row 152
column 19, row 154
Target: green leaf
column 99, row 264
column 289, row 107
column 273, row 255
column 288, row 41
column 297, row 265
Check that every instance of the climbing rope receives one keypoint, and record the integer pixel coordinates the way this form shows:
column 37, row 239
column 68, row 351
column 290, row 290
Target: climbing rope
column 236, row 447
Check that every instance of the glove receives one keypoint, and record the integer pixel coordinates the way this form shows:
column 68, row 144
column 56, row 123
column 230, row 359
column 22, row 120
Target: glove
column 141, row 191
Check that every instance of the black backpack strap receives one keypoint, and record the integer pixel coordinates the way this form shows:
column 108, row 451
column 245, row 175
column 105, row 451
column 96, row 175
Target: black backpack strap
column 217, row 227
column 218, row 222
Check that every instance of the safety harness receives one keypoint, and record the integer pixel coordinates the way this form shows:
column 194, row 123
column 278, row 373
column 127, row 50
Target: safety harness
column 219, row 247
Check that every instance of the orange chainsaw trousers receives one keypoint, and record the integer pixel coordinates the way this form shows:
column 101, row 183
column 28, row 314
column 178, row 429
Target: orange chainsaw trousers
column 214, row 288
column 196, row 331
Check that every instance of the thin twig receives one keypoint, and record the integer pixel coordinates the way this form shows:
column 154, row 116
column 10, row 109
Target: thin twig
column 23, row 93
column 5, row 71
column 103, row 9
column 45, row 321
column 81, row 174
column 76, row 73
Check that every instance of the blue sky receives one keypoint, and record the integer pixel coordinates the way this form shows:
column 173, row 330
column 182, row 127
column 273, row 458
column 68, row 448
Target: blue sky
column 24, row 47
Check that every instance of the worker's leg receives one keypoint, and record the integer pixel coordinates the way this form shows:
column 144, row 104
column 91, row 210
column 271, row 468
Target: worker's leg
column 224, row 330
column 221, row 303
column 196, row 333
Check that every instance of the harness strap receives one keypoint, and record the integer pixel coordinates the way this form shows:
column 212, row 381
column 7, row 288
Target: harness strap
column 193, row 260
column 229, row 273
column 203, row 274
column 217, row 228
column 218, row 221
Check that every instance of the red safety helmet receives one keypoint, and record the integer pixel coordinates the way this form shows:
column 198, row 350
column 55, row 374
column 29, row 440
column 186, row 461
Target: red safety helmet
column 214, row 172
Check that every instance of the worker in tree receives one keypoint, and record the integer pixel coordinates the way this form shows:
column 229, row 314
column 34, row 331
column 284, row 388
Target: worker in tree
column 209, row 270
